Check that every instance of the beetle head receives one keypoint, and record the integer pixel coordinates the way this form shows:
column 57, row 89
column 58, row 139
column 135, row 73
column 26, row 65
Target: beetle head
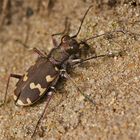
column 69, row 44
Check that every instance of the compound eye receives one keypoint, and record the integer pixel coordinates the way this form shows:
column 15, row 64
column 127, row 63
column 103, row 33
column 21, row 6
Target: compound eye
column 65, row 38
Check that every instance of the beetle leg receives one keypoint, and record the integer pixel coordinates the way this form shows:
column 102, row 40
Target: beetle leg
column 39, row 52
column 50, row 95
column 100, row 56
column 55, row 44
column 75, row 61
column 14, row 76
column 71, row 62
column 66, row 75
column 22, row 43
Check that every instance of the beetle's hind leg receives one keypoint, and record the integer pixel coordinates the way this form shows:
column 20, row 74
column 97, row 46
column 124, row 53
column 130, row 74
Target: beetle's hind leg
column 17, row 76
column 50, row 94
column 66, row 75
column 49, row 97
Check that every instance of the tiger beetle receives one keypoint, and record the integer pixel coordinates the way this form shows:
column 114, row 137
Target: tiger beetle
column 41, row 78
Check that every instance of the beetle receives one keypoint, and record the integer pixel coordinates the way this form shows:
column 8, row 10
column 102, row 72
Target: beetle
column 42, row 77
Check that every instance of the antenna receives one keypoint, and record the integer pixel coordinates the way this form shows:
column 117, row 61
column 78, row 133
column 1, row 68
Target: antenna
column 66, row 29
column 82, row 21
column 96, row 36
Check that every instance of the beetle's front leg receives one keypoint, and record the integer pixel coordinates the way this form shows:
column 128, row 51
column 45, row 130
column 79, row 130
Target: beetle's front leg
column 17, row 76
column 78, row 58
column 113, row 54
column 74, row 59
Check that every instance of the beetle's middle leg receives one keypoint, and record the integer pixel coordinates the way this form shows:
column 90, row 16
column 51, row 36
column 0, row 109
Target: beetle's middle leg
column 66, row 75
column 17, row 76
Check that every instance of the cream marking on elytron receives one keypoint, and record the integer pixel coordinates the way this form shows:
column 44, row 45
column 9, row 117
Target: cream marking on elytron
column 56, row 69
column 28, row 101
column 49, row 78
column 15, row 97
column 19, row 102
column 25, row 77
column 38, row 86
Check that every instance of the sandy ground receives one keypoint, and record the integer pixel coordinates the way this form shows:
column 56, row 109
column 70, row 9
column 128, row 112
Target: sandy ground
column 114, row 83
